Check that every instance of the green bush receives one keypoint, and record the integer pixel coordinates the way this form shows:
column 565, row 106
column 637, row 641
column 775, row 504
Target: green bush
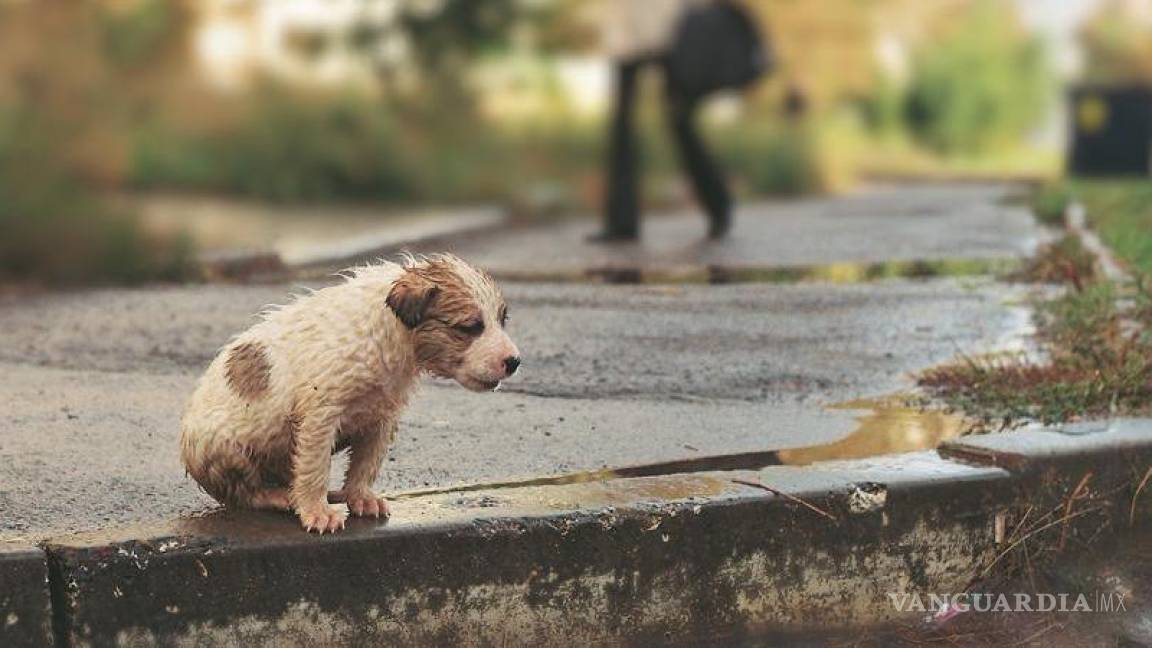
column 133, row 36
column 1049, row 203
column 884, row 109
column 285, row 150
column 981, row 86
column 289, row 148
column 773, row 161
column 57, row 231
column 286, row 147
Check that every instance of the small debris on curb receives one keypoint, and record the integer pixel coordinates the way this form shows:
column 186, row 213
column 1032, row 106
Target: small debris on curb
column 866, row 498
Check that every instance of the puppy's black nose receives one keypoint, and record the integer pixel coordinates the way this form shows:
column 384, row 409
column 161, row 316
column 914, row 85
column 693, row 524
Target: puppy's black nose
column 511, row 363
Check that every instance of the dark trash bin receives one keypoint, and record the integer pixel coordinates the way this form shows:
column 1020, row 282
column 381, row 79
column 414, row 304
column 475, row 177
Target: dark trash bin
column 1111, row 131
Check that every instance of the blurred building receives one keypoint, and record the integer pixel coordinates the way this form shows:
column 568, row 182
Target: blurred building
column 832, row 49
column 303, row 41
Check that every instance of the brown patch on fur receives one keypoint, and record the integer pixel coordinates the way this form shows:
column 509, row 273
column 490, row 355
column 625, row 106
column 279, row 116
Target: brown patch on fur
column 410, row 298
column 440, row 347
column 248, row 370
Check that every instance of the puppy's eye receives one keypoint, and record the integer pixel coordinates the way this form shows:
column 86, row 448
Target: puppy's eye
column 475, row 327
column 504, row 316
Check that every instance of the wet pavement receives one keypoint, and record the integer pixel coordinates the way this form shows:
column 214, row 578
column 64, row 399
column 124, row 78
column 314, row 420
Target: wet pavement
column 887, row 224
column 93, row 382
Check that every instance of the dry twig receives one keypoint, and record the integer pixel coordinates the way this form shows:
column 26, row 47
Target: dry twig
column 786, row 496
column 1068, row 507
column 1132, row 507
column 1062, row 520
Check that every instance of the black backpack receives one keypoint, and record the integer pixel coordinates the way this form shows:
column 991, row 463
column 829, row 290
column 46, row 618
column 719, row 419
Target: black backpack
column 716, row 47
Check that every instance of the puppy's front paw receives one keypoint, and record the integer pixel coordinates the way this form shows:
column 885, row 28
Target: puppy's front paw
column 368, row 505
column 323, row 518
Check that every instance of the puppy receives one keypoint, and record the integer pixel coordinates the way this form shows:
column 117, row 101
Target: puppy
column 331, row 371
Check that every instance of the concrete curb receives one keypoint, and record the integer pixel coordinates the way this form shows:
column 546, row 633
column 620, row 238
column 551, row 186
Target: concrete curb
column 686, row 559
column 1076, row 221
column 270, row 265
column 25, row 605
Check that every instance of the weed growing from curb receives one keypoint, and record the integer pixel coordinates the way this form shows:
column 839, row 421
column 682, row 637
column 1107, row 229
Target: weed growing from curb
column 1097, row 353
column 1049, row 203
column 1064, row 261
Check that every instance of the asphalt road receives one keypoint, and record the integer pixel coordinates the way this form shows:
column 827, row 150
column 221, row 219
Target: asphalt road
column 92, row 382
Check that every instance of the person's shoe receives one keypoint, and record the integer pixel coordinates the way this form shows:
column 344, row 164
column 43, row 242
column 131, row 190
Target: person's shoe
column 612, row 237
column 718, row 228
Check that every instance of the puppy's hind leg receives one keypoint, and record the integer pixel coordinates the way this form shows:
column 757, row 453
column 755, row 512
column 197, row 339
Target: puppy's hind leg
column 227, row 473
column 271, row 499
column 280, row 499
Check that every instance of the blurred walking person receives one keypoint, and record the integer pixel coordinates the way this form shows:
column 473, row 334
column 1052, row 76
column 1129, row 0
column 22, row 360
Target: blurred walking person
column 700, row 46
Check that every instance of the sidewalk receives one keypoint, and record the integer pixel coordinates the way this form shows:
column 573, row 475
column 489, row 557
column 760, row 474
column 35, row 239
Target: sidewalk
column 777, row 372
column 883, row 226
column 239, row 238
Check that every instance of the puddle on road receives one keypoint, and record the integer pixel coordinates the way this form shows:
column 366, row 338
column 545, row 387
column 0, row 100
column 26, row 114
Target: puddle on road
column 841, row 273
column 861, row 272
column 890, row 426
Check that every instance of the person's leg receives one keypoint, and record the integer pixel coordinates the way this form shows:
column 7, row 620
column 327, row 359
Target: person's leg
column 707, row 182
column 622, row 205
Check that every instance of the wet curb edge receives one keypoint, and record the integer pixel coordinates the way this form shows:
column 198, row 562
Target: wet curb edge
column 684, row 558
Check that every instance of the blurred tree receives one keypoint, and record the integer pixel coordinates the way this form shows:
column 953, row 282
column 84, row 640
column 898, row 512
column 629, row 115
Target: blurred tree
column 982, row 84
column 73, row 77
column 85, row 72
column 825, row 48
column 144, row 36
column 423, row 48
column 1117, row 43
column 568, row 26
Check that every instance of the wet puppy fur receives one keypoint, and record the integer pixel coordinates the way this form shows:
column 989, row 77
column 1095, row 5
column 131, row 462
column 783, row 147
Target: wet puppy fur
column 331, row 371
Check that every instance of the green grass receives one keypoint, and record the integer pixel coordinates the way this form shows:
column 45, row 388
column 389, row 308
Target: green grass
column 1119, row 210
column 1096, row 338
column 1099, row 363
column 1049, row 203
column 1121, row 213
column 771, row 160
column 1062, row 261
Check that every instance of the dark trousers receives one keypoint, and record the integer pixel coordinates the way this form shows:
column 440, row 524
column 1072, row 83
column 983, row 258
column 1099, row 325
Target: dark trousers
column 622, row 208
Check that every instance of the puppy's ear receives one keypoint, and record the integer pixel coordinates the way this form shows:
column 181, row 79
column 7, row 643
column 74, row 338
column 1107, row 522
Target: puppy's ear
column 410, row 298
